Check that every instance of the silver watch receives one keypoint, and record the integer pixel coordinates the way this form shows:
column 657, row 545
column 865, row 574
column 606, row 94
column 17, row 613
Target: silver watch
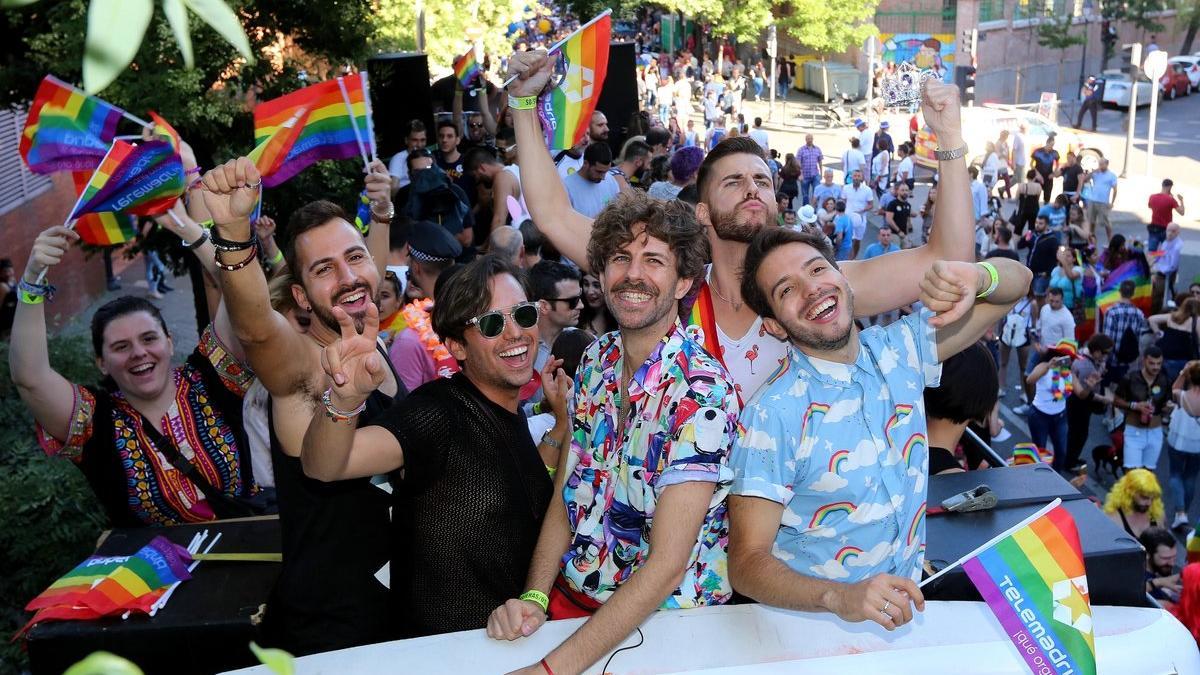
column 947, row 155
column 384, row 218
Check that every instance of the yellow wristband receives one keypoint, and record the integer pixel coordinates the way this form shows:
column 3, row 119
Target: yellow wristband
column 28, row 298
column 539, row 598
column 995, row 279
column 522, row 102
column 275, row 259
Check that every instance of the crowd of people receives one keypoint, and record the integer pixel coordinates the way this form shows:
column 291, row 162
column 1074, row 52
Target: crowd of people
column 562, row 363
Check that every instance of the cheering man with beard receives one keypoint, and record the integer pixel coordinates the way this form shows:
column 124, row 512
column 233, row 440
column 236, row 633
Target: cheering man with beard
column 469, row 488
column 324, row 527
column 827, row 506
column 639, row 523
column 737, row 199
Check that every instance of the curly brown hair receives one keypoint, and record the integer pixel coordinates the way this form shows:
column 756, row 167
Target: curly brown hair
column 672, row 221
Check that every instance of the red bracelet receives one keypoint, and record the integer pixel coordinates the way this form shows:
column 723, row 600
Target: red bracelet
column 546, row 667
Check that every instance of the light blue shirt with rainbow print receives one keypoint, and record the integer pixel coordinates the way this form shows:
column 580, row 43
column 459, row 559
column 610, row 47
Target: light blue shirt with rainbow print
column 843, row 448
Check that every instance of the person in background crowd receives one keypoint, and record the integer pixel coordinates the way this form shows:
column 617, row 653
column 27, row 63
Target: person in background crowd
column 1020, row 151
column 991, row 167
column 881, row 168
column 1067, row 277
column 663, row 141
column 1183, row 442
column 967, row 394
column 571, row 160
column 391, row 299
column 760, row 136
column 1087, row 397
column 1051, row 381
column 1161, row 205
column 1002, row 243
column 1045, row 163
column 556, row 288
column 1016, row 332
column 1071, row 173
column 1090, row 97
column 905, row 169
column 568, row 348
column 1056, row 214
column 853, row 159
column 595, row 316
column 415, row 139
column 507, row 243
column 789, row 179
column 533, row 242
column 826, row 189
column 1162, row 581
column 691, row 137
column 592, row 187
column 1043, row 255
column 447, row 572
column 826, row 214
column 883, row 140
column 1166, row 266
column 635, row 159
column 896, row 215
column 1027, row 204
column 1004, row 176
column 683, row 167
column 843, row 233
column 8, row 296
column 866, row 143
column 1145, row 395
column 504, row 181
column 1125, row 324
column 979, row 194
column 860, row 201
column 447, row 156
column 1178, row 336
column 1099, row 192
column 416, row 354
column 883, row 246
column 1135, row 502
column 810, row 158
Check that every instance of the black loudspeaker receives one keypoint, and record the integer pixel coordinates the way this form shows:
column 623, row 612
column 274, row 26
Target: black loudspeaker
column 619, row 98
column 399, row 93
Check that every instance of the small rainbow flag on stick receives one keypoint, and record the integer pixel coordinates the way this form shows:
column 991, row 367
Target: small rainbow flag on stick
column 466, row 68
column 566, row 110
column 337, row 125
column 271, row 152
column 102, row 229
column 143, row 179
column 165, row 131
column 67, row 130
column 1033, row 580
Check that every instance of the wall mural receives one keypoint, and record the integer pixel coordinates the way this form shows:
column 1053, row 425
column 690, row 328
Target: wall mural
column 926, row 51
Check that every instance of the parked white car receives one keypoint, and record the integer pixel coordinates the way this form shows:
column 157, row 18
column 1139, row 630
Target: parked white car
column 1192, row 66
column 1117, row 89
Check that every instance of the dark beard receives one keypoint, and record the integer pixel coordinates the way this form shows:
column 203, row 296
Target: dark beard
column 728, row 228
column 325, row 314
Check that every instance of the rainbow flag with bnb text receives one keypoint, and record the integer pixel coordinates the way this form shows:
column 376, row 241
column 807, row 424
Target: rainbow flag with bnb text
column 566, row 110
column 1034, row 581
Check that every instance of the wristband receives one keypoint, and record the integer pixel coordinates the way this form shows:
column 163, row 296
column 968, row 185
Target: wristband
column 223, row 244
column 546, row 667
column 551, row 442
column 948, row 155
column 32, row 293
column 28, row 298
column 522, row 102
column 194, row 169
column 995, row 279
column 537, row 597
column 552, row 470
column 237, row 265
column 199, row 241
column 275, row 259
column 336, row 414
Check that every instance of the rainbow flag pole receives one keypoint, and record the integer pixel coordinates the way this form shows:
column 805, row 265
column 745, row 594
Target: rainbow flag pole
column 993, row 541
column 350, row 111
column 370, row 124
column 127, row 115
column 558, row 45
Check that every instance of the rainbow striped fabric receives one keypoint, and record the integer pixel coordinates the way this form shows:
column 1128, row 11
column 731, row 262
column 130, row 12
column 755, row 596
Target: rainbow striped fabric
column 108, row 585
column 271, row 152
column 1034, row 582
column 567, row 109
column 165, row 131
column 1097, row 300
column 335, row 126
column 143, row 179
column 466, row 68
column 66, row 129
column 1028, row 453
column 102, row 229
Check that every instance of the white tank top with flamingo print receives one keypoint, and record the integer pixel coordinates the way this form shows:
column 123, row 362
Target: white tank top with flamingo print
column 752, row 358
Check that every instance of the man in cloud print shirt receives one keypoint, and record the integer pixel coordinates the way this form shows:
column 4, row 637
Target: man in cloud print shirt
column 827, row 504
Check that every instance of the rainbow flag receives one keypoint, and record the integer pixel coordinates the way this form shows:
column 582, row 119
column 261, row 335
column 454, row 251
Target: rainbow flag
column 165, row 131
column 1028, row 453
column 466, row 68
column 102, row 229
column 567, row 109
column 66, row 129
column 109, row 585
column 1033, row 580
column 143, row 179
column 393, row 324
column 336, row 126
column 270, row 154
column 1098, row 298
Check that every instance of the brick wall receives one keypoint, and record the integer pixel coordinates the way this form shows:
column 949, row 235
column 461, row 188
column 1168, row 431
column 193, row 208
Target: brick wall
column 79, row 280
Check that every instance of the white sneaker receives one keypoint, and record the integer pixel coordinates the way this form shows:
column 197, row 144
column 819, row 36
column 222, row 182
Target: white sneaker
column 1021, row 409
column 1181, row 521
column 1004, row 435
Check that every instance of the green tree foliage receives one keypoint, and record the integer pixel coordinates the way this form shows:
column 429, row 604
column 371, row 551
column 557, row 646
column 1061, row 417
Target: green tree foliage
column 828, row 26
column 450, row 28
column 51, row 518
column 743, row 20
column 1054, row 32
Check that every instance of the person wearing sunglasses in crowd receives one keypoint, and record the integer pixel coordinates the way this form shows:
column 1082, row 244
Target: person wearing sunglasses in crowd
column 556, row 288
column 470, row 486
column 639, row 521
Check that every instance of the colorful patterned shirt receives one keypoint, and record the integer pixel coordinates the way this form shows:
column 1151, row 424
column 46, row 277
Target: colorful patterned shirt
column 133, row 479
column 843, row 448
column 680, row 426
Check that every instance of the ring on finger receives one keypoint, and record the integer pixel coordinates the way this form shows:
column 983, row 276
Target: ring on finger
column 253, row 185
column 886, row 604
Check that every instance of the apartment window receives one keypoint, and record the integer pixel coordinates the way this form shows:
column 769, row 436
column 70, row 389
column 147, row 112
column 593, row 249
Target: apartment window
column 17, row 183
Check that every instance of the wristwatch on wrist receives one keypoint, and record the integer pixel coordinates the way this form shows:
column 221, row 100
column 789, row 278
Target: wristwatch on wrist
column 386, row 217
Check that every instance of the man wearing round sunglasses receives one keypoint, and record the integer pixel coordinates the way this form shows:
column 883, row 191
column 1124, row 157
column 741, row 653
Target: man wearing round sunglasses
column 640, row 523
column 470, row 487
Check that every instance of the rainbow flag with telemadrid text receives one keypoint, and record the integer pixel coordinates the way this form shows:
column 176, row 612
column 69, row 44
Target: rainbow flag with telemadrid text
column 566, row 110
column 105, row 228
column 336, row 125
column 143, row 179
column 66, row 129
column 1034, row 581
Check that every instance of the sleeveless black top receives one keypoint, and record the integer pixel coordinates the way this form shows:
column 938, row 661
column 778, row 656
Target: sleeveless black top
column 334, row 541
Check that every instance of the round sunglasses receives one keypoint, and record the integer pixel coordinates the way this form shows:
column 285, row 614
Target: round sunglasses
column 491, row 324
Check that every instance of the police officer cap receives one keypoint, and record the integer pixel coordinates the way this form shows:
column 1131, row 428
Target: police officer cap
column 432, row 243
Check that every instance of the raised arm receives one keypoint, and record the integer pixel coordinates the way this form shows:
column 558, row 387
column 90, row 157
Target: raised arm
column 885, row 283
column 504, row 185
column 333, row 449
column 757, row 573
column 48, row 394
column 567, row 229
column 379, row 190
column 949, row 289
column 485, row 109
column 272, row 346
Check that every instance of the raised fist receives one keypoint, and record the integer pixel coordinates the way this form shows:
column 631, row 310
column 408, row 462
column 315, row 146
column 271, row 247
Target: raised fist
column 942, row 111
column 533, row 70
column 230, row 193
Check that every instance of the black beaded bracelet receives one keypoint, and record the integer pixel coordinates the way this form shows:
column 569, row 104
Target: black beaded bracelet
column 222, row 244
column 240, row 264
